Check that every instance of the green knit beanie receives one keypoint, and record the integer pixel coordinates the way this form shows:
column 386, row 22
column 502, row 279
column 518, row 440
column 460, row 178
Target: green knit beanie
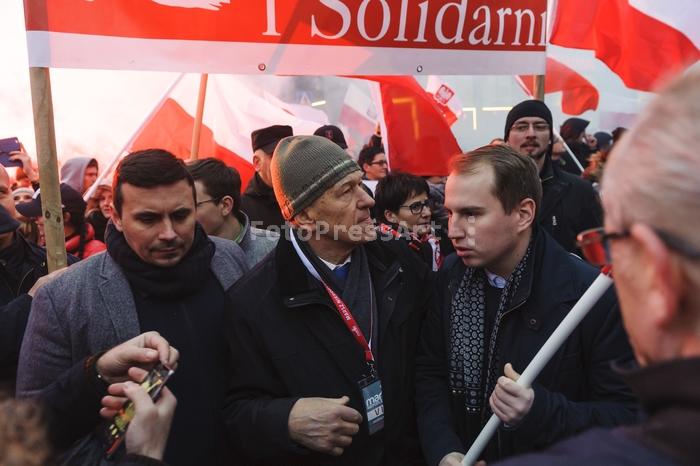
column 305, row 167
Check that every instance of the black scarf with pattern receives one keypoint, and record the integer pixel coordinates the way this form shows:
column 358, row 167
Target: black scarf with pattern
column 467, row 313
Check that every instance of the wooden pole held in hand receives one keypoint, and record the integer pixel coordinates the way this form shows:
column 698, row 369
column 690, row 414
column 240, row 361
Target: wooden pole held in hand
column 45, row 135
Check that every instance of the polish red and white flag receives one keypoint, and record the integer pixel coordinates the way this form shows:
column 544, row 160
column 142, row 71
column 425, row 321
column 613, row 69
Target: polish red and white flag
column 232, row 111
column 446, row 98
column 578, row 94
column 642, row 41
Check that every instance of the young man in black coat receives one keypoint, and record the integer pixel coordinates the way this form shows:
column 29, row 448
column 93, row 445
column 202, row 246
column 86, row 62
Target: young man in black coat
column 324, row 330
column 569, row 203
column 497, row 301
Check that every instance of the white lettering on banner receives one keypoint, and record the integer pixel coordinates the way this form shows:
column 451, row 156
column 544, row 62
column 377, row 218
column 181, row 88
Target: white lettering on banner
column 457, row 38
column 502, row 12
column 344, row 12
column 386, row 20
column 486, row 25
column 519, row 15
column 480, row 32
column 271, row 19
column 423, row 21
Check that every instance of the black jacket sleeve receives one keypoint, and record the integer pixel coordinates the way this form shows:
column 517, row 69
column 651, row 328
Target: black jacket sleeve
column 436, row 425
column 13, row 320
column 553, row 416
column 73, row 403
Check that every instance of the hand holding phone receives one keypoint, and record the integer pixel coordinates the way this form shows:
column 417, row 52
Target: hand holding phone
column 152, row 384
column 7, row 146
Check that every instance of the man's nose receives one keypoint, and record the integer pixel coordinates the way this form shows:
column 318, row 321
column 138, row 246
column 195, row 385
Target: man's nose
column 167, row 232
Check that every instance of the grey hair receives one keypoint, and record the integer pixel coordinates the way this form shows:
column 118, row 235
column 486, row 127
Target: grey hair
column 654, row 171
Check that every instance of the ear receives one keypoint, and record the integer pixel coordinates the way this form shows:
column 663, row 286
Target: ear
column 663, row 277
column 305, row 220
column 365, row 167
column 526, row 212
column 257, row 162
column 226, row 203
column 391, row 216
column 117, row 220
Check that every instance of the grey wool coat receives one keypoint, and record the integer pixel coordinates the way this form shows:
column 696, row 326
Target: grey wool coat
column 88, row 309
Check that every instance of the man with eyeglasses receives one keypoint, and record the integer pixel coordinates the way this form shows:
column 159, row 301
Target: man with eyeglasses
column 403, row 208
column 652, row 217
column 219, row 209
column 569, row 203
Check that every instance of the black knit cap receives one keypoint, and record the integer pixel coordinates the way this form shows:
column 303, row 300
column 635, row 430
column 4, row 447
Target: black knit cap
column 529, row 108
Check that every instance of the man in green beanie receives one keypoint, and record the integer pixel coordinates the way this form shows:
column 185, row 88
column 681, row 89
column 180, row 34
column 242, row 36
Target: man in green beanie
column 323, row 331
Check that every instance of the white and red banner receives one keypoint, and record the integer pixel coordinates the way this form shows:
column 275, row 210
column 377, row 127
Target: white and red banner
column 290, row 36
column 642, row 41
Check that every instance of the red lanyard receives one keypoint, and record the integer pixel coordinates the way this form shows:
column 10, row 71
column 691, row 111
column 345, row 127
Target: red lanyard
column 351, row 324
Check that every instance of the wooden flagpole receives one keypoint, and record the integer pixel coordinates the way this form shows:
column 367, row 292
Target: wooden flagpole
column 197, row 130
column 538, row 90
column 45, row 135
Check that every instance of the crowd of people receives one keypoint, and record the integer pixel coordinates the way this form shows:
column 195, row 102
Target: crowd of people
column 336, row 312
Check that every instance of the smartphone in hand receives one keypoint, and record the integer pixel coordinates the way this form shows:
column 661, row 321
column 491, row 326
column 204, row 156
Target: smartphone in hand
column 6, row 146
column 116, row 430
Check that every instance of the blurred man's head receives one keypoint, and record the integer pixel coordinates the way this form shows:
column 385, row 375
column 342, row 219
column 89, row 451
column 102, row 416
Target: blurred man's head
column 154, row 206
column 72, row 205
column 528, row 130
column 264, row 142
column 492, row 195
column 652, row 206
column 333, row 133
column 373, row 162
column 6, row 198
column 218, row 194
column 318, row 188
column 402, row 199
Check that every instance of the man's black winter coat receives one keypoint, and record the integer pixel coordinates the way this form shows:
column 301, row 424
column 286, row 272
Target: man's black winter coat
column 577, row 389
column 289, row 342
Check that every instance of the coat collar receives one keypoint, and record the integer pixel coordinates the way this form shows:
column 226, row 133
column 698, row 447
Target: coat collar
column 549, row 277
column 257, row 188
column 117, row 298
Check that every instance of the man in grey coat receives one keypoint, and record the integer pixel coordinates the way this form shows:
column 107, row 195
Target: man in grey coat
column 161, row 273
column 219, row 209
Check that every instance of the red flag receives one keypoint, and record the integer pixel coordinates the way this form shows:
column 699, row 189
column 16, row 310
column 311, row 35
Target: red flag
column 419, row 138
column 578, row 95
column 640, row 40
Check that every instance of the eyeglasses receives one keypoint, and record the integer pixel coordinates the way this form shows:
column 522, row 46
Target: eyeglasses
column 418, row 206
column 595, row 244
column 381, row 162
column 523, row 127
column 215, row 200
